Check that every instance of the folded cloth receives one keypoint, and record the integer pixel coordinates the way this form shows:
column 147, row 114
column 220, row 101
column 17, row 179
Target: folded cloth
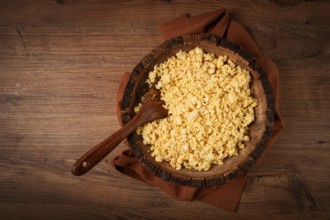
column 218, row 22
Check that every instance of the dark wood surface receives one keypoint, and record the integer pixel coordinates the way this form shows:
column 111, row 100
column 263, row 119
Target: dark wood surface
column 60, row 65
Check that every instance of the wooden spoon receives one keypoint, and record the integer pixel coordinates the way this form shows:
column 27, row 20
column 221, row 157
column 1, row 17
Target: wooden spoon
column 151, row 109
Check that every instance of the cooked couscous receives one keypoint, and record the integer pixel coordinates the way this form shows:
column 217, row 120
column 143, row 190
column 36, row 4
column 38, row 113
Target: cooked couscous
column 210, row 107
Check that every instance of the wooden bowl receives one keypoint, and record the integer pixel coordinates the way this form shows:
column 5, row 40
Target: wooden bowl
column 259, row 131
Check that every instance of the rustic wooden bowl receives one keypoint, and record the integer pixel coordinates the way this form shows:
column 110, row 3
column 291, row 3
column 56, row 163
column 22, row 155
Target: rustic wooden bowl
column 259, row 132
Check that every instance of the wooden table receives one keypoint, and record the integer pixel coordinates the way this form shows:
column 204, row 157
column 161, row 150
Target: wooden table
column 60, row 65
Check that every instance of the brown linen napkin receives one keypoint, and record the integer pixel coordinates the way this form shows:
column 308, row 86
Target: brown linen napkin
column 226, row 196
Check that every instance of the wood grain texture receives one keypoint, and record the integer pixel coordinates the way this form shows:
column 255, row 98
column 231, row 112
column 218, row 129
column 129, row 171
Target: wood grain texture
column 61, row 62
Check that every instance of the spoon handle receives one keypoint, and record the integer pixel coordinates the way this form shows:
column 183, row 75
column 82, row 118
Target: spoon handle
column 100, row 151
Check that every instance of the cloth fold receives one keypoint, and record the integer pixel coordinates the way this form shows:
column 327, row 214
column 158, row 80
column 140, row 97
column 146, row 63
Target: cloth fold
column 217, row 22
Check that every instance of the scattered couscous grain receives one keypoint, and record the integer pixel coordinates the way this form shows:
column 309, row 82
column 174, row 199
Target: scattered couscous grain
column 210, row 107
